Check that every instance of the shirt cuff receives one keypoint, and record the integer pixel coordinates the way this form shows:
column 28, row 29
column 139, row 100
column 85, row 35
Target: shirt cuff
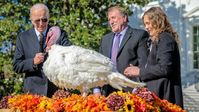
column 35, row 67
column 96, row 90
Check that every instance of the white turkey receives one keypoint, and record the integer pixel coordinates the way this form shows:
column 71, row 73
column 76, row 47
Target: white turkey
column 74, row 67
column 79, row 68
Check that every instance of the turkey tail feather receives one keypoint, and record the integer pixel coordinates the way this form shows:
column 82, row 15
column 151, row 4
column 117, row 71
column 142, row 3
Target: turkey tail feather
column 118, row 81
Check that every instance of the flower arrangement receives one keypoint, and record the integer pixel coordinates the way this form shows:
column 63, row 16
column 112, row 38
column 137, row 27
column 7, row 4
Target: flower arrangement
column 140, row 100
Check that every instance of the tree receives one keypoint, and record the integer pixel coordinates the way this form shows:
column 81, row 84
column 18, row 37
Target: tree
column 84, row 20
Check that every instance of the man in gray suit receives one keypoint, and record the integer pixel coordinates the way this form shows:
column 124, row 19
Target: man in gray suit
column 132, row 47
column 29, row 55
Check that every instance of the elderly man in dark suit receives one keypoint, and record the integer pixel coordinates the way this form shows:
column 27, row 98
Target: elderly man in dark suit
column 29, row 53
column 124, row 45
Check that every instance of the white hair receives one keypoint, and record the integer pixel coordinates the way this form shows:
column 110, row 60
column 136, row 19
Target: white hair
column 40, row 6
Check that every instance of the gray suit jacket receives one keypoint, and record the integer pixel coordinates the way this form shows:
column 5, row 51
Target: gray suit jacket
column 133, row 49
column 27, row 45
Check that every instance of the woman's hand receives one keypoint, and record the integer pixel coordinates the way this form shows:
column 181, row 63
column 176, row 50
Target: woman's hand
column 132, row 71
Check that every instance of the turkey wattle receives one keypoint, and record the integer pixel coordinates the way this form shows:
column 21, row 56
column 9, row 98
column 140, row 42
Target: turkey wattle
column 74, row 67
column 52, row 36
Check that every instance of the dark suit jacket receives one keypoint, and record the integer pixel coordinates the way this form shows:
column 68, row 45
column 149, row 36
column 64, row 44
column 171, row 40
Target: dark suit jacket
column 162, row 73
column 133, row 50
column 27, row 45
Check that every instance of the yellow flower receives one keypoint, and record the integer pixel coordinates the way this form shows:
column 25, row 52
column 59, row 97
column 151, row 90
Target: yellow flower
column 129, row 106
column 42, row 104
column 91, row 103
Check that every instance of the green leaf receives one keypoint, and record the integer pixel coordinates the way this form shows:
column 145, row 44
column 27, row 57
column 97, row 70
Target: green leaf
column 83, row 20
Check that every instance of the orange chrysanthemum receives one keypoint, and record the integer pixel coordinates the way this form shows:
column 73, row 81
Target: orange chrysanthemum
column 90, row 103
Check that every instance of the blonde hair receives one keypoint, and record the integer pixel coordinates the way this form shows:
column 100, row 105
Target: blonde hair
column 160, row 23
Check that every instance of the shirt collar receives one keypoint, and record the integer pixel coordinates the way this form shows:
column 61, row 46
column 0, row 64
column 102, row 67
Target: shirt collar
column 38, row 33
column 124, row 31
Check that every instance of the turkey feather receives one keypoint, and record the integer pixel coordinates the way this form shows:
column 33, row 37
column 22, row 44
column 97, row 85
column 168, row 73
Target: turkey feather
column 74, row 67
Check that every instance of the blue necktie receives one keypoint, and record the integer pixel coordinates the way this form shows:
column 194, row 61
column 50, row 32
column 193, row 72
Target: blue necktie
column 115, row 48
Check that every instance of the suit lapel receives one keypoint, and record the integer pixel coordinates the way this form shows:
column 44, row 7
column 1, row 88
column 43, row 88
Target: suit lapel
column 109, row 45
column 125, row 39
column 34, row 40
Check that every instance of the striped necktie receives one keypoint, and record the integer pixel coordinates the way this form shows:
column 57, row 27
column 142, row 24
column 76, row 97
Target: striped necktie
column 41, row 42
